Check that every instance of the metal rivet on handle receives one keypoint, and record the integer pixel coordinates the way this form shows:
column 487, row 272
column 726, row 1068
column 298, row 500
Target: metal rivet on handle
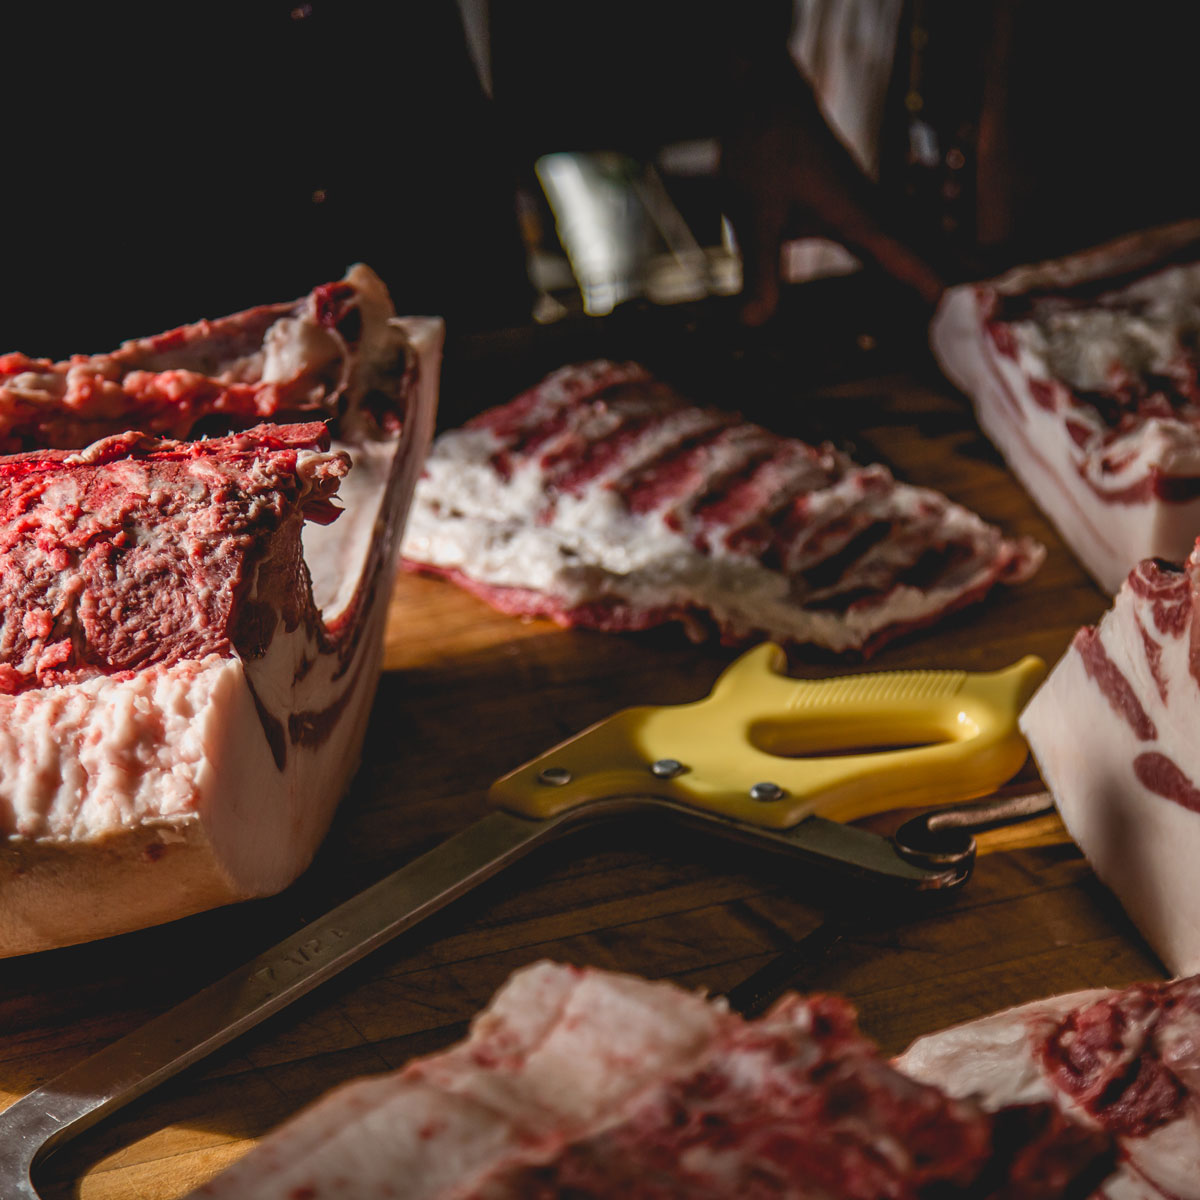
column 766, row 791
column 667, row 768
column 555, row 776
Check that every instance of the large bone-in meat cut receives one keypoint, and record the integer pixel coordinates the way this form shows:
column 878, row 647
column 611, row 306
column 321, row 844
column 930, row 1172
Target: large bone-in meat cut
column 191, row 628
column 600, row 498
column 1113, row 730
column 1083, row 372
column 582, row 1083
column 1125, row 1062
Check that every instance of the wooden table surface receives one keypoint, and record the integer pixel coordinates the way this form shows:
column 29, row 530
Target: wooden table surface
column 468, row 693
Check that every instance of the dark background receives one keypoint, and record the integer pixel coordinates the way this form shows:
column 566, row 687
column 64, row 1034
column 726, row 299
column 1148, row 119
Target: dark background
column 169, row 162
column 179, row 161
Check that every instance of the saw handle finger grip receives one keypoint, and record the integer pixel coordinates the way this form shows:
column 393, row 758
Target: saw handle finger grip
column 766, row 748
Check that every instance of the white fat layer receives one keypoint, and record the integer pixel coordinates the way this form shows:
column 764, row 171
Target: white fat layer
column 1142, row 845
column 1108, row 537
column 1109, row 463
column 466, row 518
column 337, row 553
column 86, row 759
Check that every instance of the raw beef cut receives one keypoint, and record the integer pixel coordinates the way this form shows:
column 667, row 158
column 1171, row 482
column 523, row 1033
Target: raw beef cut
column 602, row 499
column 1083, row 372
column 324, row 355
column 1124, row 1062
column 580, row 1083
column 1113, row 730
column 189, row 642
column 139, row 551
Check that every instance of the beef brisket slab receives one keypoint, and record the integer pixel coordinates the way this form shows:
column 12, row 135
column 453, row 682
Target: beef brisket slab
column 191, row 627
column 601, row 498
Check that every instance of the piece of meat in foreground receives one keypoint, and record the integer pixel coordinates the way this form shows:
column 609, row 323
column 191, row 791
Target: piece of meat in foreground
column 582, row 1083
column 602, row 499
column 191, row 630
column 1113, row 730
column 1125, row 1062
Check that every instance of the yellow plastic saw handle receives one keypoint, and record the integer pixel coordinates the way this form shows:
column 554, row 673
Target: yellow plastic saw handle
column 765, row 748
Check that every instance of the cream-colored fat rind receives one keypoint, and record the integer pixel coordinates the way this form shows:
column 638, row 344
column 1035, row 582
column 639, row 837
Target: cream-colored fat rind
column 132, row 802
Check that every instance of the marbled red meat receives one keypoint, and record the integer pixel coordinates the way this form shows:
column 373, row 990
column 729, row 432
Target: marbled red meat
column 1109, row 679
column 141, row 550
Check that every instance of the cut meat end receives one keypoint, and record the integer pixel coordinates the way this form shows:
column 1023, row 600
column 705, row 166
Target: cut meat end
column 1126, row 1062
column 319, row 355
column 129, row 802
column 1083, row 372
column 187, row 654
column 583, row 1083
column 1113, row 732
column 137, row 550
column 601, row 498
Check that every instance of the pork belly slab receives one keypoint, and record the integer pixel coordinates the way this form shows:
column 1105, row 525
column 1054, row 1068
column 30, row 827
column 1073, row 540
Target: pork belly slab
column 191, row 628
column 1125, row 1062
column 1083, row 372
column 1113, row 730
column 600, row 498
column 583, row 1083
